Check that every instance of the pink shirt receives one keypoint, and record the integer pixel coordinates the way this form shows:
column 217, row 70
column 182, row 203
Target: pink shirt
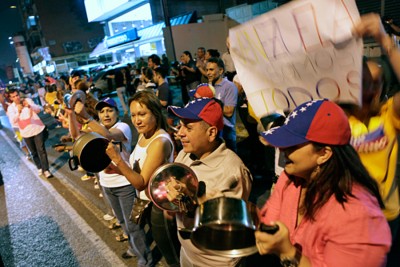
column 356, row 235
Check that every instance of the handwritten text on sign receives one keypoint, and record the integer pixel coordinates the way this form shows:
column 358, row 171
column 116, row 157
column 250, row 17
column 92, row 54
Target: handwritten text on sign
column 301, row 51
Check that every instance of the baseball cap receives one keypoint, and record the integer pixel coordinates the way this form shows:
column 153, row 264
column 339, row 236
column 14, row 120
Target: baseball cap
column 320, row 121
column 106, row 102
column 203, row 90
column 203, row 108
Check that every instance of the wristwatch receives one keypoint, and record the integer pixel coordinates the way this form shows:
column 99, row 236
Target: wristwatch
column 292, row 261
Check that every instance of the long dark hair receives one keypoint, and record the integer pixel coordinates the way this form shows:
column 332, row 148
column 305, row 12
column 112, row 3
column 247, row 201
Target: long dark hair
column 336, row 177
column 151, row 101
column 188, row 54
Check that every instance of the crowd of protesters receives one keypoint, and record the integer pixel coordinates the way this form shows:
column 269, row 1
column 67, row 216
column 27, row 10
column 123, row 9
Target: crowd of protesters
column 336, row 202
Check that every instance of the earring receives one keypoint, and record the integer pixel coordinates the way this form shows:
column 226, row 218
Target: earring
column 316, row 171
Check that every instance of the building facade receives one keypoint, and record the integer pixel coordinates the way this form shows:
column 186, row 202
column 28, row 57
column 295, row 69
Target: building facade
column 57, row 34
column 167, row 27
column 65, row 34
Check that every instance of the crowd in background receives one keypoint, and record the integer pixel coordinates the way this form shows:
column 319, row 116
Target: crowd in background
column 202, row 133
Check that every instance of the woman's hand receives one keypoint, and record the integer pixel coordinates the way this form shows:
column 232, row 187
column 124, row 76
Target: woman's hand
column 278, row 243
column 113, row 152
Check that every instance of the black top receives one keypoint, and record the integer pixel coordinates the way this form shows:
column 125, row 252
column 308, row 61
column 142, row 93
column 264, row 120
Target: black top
column 190, row 76
column 119, row 79
column 164, row 93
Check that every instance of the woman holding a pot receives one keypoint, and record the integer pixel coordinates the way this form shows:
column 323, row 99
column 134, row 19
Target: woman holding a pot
column 118, row 190
column 154, row 148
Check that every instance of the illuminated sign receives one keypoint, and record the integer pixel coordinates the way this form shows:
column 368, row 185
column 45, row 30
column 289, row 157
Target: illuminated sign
column 122, row 38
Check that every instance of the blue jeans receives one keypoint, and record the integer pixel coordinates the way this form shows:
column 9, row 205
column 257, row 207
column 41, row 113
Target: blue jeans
column 121, row 200
column 38, row 151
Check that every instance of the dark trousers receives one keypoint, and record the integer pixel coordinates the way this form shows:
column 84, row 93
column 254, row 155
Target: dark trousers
column 38, row 151
column 393, row 258
column 165, row 234
column 185, row 94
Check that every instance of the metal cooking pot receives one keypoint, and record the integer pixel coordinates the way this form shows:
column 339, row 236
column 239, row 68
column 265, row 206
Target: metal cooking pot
column 89, row 151
column 77, row 96
column 160, row 178
column 225, row 227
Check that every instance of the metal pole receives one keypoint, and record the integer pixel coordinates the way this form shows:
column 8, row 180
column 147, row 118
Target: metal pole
column 382, row 8
column 164, row 6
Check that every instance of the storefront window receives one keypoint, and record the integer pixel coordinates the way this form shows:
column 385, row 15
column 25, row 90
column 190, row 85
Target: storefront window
column 148, row 49
column 138, row 18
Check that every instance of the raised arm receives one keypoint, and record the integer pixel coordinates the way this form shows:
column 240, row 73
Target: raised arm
column 370, row 25
column 33, row 106
column 157, row 154
column 95, row 126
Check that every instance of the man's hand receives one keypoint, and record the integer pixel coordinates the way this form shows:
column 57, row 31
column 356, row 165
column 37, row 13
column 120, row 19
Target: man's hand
column 20, row 107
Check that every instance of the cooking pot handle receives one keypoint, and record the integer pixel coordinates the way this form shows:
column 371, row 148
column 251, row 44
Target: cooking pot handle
column 73, row 159
column 270, row 229
column 119, row 143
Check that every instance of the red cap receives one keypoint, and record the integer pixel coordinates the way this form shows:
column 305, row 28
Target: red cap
column 204, row 108
column 320, row 121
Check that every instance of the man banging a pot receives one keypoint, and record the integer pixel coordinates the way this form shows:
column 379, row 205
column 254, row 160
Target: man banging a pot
column 219, row 168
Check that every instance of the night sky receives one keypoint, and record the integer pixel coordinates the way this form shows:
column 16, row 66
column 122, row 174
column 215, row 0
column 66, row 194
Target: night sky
column 10, row 23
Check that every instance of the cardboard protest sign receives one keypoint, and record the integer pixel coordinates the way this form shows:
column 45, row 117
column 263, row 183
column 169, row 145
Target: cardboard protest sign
column 301, row 51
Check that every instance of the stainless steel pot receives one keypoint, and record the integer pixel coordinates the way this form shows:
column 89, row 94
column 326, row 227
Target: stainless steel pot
column 160, row 178
column 225, row 227
column 89, row 151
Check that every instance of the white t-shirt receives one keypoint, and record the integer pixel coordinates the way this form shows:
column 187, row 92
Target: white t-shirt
column 34, row 126
column 113, row 179
column 140, row 153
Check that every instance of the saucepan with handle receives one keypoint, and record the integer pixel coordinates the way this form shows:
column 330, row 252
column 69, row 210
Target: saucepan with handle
column 225, row 226
column 89, row 151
